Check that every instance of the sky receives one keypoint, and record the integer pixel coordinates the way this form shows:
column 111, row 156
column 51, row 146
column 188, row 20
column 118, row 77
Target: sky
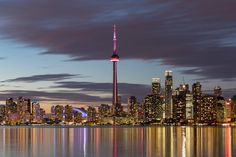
column 58, row 52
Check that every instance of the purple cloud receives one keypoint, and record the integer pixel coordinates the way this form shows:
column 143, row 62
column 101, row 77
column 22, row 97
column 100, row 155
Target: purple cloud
column 196, row 34
column 45, row 77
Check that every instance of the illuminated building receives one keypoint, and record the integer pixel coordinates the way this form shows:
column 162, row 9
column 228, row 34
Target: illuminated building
column 189, row 108
column 115, row 59
column 104, row 110
column 133, row 107
column 42, row 114
column 119, row 108
column 2, row 112
column 168, row 94
column 36, row 112
column 197, row 99
column 11, row 106
column 156, row 86
column 227, row 111
column 12, row 117
column 233, row 101
column 77, row 117
column 68, row 113
column 220, row 101
column 91, row 111
column 179, row 103
column 58, row 112
column 153, row 103
column 208, row 109
column 24, row 109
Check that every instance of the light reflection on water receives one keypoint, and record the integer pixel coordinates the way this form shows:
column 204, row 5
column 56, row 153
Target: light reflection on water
column 118, row 142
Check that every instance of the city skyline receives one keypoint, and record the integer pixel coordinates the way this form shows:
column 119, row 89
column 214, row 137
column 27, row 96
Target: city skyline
column 61, row 61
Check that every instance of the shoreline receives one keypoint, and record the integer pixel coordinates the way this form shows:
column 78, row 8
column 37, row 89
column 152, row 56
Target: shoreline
column 114, row 126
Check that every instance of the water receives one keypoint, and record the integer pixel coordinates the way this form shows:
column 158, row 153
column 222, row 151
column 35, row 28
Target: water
column 117, row 142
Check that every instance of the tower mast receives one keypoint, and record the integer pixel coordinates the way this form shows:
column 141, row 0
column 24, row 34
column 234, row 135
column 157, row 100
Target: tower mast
column 114, row 59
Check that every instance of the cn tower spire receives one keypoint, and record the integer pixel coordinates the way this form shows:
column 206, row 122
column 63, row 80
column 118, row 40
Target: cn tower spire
column 114, row 39
column 114, row 59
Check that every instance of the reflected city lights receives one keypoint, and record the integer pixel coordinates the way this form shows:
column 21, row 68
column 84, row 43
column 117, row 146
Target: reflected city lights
column 118, row 141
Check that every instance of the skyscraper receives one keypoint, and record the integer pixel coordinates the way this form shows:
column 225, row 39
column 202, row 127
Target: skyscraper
column 156, row 86
column 114, row 59
column 208, row 109
column 152, row 105
column 197, row 99
column 179, row 103
column 132, row 106
column 168, row 94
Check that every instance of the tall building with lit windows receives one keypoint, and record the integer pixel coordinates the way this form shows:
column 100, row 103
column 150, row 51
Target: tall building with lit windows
column 208, row 109
column 156, row 86
column 132, row 106
column 179, row 103
column 168, row 94
column 197, row 100
column 153, row 103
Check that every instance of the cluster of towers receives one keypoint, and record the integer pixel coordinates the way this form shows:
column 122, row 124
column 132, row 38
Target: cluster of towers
column 181, row 106
column 22, row 111
column 177, row 106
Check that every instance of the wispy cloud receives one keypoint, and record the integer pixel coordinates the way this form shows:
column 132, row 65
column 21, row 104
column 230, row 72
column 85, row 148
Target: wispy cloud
column 45, row 77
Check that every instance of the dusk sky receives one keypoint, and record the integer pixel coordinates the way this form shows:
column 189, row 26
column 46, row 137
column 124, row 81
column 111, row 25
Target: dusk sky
column 58, row 51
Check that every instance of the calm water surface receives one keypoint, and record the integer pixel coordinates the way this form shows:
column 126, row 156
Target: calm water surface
column 118, row 142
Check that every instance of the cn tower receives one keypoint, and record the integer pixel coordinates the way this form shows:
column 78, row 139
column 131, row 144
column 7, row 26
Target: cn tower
column 114, row 59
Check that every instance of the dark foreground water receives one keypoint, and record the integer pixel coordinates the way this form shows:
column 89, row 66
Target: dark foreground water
column 118, row 142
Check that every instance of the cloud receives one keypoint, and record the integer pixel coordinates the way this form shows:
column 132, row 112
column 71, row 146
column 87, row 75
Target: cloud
column 45, row 77
column 82, row 92
column 227, row 93
column 125, row 89
column 199, row 35
column 50, row 96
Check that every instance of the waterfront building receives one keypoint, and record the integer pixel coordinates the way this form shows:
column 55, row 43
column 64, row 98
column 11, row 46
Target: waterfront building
column 179, row 104
column 42, row 114
column 197, row 101
column 11, row 106
column 2, row 113
column 152, row 108
column 189, row 108
column 133, row 107
column 77, row 117
column 153, row 103
column 228, row 111
column 220, row 104
column 68, row 113
column 104, row 110
column 24, row 109
column 208, row 109
column 58, row 112
column 119, row 108
column 156, row 86
column 168, row 94
column 12, row 117
column 92, row 115
column 36, row 112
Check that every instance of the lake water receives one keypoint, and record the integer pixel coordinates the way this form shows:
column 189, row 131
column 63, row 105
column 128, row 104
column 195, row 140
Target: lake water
column 118, row 142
